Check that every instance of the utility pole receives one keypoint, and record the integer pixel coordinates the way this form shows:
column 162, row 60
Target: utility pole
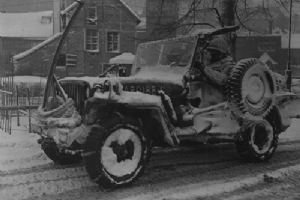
column 228, row 17
column 56, row 16
column 288, row 71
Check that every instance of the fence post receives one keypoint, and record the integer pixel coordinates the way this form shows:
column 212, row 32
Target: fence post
column 10, row 112
column 18, row 113
column 29, row 111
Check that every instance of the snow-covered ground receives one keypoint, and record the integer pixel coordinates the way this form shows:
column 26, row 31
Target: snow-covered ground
column 20, row 150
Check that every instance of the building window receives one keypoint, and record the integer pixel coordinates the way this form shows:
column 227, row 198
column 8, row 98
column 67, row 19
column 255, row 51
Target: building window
column 113, row 42
column 46, row 20
column 91, row 42
column 91, row 17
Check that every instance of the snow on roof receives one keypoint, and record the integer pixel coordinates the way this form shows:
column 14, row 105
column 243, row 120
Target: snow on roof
column 130, row 10
column 28, row 52
column 124, row 58
column 31, row 24
column 295, row 41
column 138, row 6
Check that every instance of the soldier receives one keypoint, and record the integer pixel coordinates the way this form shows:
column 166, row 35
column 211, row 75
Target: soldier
column 214, row 63
column 217, row 61
column 209, row 74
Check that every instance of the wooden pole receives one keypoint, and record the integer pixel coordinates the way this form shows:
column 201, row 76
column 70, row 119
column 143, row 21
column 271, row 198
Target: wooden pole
column 29, row 111
column 59, row 47
column 288, row 71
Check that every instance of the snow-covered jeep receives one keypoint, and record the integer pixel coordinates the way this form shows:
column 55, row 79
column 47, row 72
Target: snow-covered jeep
column 118, row 120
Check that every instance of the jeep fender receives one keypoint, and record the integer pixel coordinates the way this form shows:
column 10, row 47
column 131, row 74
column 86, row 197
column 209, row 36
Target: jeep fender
column 279, row 119
column 153, row 116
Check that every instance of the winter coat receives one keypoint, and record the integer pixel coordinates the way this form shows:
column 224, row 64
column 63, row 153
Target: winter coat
column 219, row 71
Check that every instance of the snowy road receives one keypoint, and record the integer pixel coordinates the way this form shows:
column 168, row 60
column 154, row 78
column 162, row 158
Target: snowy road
column 210, row 172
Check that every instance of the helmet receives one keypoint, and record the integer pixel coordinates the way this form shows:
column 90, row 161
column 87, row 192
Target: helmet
column 218, row 44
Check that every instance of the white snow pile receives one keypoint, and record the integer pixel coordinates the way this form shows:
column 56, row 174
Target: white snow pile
column 20, row 150
column 124, row 58
column 30, row 80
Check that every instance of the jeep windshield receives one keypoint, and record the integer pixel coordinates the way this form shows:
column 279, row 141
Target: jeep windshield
column 176, row 52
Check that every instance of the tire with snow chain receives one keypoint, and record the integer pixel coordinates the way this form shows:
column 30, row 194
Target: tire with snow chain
column 116, row 152
column 257, row 141
column 250, row 88
column 51, row 150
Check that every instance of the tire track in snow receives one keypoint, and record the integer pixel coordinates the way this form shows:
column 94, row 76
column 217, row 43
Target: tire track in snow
column 25, row 191
column 55, row 181
column 213, row 188
column 37, row 184
column 259, row 193
column 49, row 175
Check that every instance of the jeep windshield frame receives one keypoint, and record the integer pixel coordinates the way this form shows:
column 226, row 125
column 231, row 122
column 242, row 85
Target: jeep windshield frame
column 174, row 52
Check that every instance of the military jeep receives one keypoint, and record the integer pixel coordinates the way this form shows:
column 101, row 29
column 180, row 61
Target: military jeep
column 112, row 123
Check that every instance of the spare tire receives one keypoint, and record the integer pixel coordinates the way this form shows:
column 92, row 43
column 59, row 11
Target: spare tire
column 250, row 89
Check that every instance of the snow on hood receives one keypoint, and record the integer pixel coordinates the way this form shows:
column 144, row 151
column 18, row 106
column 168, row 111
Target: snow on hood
column 161, row 74
column 164, row 74
column 89, row 79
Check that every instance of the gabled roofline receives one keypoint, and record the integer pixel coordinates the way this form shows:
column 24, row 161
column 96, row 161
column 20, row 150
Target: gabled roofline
column 131, row 11
column 28, row 52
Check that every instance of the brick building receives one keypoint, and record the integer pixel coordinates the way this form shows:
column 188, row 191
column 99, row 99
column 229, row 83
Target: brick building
column 102, row 30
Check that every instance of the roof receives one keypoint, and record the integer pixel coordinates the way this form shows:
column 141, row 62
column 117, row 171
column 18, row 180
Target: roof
column 130, row 10
column 31, row 24
column 138, row 6
column 28, row 52
column 295, row 41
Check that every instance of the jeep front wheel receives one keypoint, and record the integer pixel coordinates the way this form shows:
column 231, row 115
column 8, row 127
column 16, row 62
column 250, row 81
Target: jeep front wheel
column 116, row 152
column 257, row 141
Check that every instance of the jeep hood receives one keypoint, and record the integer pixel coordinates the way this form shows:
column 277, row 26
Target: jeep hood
column 164, row 74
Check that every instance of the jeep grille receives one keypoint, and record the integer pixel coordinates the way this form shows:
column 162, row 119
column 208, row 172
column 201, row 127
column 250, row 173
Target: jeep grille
column 78, row 91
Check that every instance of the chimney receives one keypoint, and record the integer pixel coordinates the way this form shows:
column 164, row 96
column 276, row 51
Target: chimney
column 56, row 16
column 160, row 18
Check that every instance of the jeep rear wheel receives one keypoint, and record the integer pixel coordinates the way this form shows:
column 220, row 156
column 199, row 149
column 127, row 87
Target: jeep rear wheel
column 116, row 152
column 250, row 88
column 257, row 141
